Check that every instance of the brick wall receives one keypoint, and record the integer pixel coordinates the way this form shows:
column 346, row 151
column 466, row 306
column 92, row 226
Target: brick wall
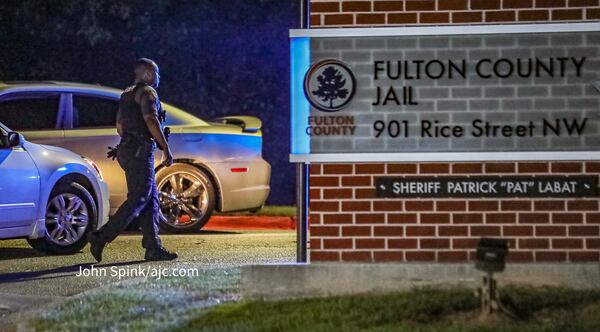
column 349, row 224
column 406, row 12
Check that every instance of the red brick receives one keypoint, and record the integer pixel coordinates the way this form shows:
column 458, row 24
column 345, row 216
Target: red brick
column 567, row 167
column 337, row 169
column 315, row 244
column 322, row 206
column 365, row 193
column 500, row 16
column 355, row 181
column 388, row 6
column 583, row 256
column 453, row 230
column 533, row 243
column 466, row 243
column 402, row 243
column 592, row 243
column 483, row 205
column 388, row 256
column 533, row 167
column 369, row 168
column 402, row 168
column 314, row 218
column 370, row 19
column 550, row 256
column 567, row 218
column 517, row 231
column 324, row 181
column 338, row 19
column 592, row 167
column 370, row 218
column 402, row 218
column 567, row 14
column 337, row 193
column 420, row 231
column 453, row 4
column 337, row 243
column 485, row 4
column 434, row 243
column 450, row 205
column 356, row 256
column 402, row 18
column 467, row 218
column 389, row 231
column 434, row 168
column 418, row 205
column 520, row 256
column 533, row 15
column 435, row 218
column 452, row 256
column 356, row 206
column 582, row 3
column 550, row 230
column 515, row 205
column 517, row 3
column 324, row 231
column 590, row 231
column 582, row 205
column 318, row 7
column 314, row 194
column 485, row 231
column 592, row 14
column 550, row 3
column 593, row 218
column 549, row 205
column 434, row 17
column 337, row 218
column 314, row 169
column 500, row 218
column 419, row 256
column 356, row 6
column 534, row 218
column 567, row 243
column 420, row 5
column 467, row 17
column 315, row 20
column 370, row 243
column 356, row 231
column 500, row 168
column 387, row 205
column 324, row 256
column 465, row 168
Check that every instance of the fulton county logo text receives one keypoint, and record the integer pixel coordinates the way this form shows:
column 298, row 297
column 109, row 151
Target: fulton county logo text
column 329, row 85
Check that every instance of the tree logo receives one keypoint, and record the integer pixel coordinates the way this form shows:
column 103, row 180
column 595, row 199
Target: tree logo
column 329, row 85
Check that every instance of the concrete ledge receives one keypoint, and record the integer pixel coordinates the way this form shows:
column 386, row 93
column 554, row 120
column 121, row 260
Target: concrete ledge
column 315, row 280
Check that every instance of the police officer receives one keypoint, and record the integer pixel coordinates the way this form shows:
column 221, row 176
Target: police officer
column 139, row 127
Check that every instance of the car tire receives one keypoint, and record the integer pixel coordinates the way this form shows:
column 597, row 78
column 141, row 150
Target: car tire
column 175, row 208
column 75, row 194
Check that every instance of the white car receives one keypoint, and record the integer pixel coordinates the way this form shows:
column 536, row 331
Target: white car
column 49, row 195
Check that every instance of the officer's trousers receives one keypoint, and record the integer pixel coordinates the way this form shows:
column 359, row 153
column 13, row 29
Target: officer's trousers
column 137, row 160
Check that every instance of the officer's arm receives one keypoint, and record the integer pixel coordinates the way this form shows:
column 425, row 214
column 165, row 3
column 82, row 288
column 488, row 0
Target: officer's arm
column 148, row 104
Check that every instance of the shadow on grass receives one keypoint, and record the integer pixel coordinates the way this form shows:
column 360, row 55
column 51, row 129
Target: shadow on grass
column 16, row 253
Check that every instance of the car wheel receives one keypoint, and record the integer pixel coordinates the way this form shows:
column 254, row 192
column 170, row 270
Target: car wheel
column 187, row 198
column 70, row 213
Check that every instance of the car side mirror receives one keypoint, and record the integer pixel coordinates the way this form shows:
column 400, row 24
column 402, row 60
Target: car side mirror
column 15, row 139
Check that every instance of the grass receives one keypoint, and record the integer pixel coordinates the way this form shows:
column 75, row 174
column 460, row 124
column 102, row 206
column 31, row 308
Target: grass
column 541, row 309
column 267, row 210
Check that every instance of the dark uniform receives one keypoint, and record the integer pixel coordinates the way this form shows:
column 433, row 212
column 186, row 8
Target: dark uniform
column 135, row 155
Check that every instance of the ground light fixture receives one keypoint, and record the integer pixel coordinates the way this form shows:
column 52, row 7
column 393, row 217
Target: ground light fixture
column 490, row 258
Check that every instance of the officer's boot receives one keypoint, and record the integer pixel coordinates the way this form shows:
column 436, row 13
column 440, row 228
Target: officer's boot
column 159, row 254
column 96, row 245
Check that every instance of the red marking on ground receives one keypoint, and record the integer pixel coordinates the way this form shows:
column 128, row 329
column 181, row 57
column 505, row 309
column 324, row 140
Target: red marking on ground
column 250, row 223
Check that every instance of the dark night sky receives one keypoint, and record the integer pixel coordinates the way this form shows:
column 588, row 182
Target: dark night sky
column 216, row 57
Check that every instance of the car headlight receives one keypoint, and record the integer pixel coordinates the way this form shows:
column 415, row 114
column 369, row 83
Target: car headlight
column 94, row 166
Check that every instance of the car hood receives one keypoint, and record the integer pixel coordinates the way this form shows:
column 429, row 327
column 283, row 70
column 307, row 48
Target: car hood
column 59, row 150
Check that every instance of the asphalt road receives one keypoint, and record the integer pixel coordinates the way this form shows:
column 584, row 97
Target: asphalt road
column 25, row 271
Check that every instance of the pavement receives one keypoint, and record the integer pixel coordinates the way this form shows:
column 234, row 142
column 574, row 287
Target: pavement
column 29, row 278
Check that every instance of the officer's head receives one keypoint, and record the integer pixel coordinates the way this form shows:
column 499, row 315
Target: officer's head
column 146, row 71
